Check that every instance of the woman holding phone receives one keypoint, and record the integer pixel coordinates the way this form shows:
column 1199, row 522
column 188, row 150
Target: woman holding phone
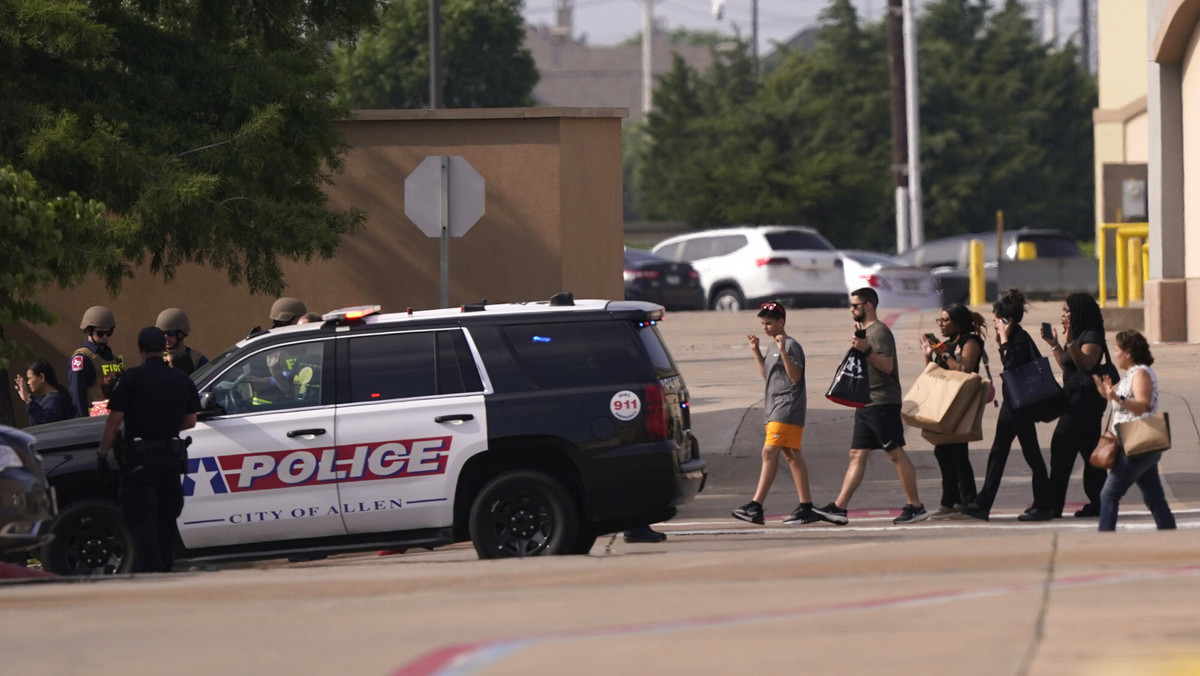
column 960, row 349
column 1078, row 429
column 1016, row 349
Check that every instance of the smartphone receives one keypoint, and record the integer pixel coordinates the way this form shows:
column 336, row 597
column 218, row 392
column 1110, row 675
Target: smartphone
column 1006, row 321
column 1047, row 331
column 860, row 333
column 931, row 339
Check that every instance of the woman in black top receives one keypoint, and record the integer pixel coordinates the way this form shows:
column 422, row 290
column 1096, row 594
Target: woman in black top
column 47, row 400
column 961, row 350
column 1016, row 348
column 1078, row 429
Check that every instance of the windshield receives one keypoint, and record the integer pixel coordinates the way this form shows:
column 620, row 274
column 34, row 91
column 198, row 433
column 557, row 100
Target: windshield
column 797, row 240
column 212, row 364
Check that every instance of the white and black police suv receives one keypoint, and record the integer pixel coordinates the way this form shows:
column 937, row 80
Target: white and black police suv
column 526, row 428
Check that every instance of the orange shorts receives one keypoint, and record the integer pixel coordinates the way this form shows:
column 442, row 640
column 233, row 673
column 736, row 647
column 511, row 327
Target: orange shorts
column 784, row 434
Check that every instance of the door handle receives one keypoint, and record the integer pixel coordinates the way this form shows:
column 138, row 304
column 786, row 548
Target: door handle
column 457, row 417
column 313, row 432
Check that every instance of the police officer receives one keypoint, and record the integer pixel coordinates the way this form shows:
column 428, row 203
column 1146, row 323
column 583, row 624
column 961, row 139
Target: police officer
column 93, row 366
column 175, row 325
column 284, row 312
column 155, row 402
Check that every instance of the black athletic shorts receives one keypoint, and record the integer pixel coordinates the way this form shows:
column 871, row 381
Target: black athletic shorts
column 878, row 427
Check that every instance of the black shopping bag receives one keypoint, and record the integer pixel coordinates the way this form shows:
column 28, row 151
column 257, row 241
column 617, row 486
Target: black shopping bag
column 850, row 386
column 1032, row 388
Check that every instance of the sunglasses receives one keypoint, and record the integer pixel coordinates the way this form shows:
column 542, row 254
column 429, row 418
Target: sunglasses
column 102, row 333
column 855, row 306
column 174, row 333
column 769, row 306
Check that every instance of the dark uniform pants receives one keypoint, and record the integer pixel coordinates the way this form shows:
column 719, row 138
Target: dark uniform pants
column 151, row 498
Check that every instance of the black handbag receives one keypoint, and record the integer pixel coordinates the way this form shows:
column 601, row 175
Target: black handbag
column 1106, row 368
column 1033, row 385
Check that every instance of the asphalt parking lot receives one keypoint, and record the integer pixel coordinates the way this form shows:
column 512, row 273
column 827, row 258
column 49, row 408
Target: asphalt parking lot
column 719, row 596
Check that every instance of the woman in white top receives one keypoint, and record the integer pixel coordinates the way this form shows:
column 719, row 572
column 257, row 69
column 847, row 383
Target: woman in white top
column 1134, row 397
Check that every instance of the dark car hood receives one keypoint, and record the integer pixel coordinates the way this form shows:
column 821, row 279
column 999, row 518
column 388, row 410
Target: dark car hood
column 67, row 434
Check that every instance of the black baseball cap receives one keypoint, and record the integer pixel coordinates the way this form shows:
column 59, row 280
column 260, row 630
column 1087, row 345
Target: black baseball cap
column 152, row 339
column 773, row 310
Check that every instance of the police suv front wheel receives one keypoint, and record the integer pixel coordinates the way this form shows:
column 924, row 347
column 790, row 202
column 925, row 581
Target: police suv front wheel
column 523, row 513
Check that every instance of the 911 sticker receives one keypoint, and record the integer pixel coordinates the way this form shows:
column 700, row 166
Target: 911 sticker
column 285, row 469
column 625, row 405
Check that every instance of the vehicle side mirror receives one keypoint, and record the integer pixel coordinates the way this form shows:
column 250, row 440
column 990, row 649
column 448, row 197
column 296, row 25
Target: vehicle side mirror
column 209, row 406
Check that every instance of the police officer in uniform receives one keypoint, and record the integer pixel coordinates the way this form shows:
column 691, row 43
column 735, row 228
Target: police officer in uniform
column 155, row 402
column 175, row 325
column 93, row 366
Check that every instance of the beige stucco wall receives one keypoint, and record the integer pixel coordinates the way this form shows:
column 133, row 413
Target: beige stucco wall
column 553, row 222
column 1191, row 168
column 1137, row 139
column 1121, row 55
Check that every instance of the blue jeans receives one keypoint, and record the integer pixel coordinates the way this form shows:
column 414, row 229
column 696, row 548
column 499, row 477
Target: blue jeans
column 1142, row 470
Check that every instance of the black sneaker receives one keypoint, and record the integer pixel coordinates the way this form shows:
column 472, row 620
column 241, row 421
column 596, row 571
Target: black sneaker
column 1089, row 510
column 644, row 534
column 974, row 511
column 832, row 513
column 911, row 514
column 751, row 511
column 801, row 515
column 1036, row 515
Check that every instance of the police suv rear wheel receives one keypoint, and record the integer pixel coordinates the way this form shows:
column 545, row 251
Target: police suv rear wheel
column 90, row 538
column 523, row 513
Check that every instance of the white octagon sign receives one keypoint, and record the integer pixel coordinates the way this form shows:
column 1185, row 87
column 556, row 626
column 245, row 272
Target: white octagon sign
column 423, row 195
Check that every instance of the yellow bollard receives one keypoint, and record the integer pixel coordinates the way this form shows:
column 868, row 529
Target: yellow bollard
column 1135, row 268
column 1026, row 251
column 978, row 282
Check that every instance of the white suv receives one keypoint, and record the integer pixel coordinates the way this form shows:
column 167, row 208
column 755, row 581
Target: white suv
column 744, row 266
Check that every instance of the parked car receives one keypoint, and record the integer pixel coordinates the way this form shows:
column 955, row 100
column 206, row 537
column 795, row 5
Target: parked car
column 654, row 279
column 743, row 266
column 525, row 428
column 26, row 503
column 900, row 286
column 1060, row 267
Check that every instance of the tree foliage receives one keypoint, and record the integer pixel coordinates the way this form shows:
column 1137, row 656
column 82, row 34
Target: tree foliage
column 485, row 63
column 205, row 128
column 1006, row 124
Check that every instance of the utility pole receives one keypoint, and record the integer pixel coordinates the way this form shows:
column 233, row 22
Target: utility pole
column 647, row 56
column 912, row 96
column 435, row 54
column 899, row 131
column 754, row 34
column 1085, row 33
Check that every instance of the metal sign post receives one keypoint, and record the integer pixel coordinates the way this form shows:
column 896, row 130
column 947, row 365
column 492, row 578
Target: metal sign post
column 444, row 197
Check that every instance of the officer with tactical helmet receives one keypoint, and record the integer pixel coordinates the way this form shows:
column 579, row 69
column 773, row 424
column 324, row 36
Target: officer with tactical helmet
column 284, row 312
column 93, row 366
column 155, row 402
column 175, row 325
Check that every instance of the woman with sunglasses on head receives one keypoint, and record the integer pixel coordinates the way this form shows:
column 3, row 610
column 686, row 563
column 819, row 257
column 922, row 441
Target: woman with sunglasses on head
column 93, row 367
column 1078, row 429
column 960, row 350
column 1016, row 350
column 1136, row 396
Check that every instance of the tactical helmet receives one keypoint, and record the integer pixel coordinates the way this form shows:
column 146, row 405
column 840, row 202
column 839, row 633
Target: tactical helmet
column 287, row 309
column 99, row 317
column 173, row 319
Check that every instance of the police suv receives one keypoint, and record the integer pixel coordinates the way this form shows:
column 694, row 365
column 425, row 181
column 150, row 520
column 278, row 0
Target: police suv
column 526, row 428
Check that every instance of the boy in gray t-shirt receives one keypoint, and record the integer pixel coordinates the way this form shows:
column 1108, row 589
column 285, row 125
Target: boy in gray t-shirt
column 785, row 403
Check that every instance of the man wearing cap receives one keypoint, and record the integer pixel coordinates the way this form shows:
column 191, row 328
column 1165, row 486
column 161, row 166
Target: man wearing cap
column 93, row 367
column 155, row 402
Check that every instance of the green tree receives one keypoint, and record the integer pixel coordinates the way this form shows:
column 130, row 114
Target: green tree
column 485, row 63
column 1006, row 124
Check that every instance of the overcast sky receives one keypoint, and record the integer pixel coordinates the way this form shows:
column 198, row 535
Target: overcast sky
column 606, row 22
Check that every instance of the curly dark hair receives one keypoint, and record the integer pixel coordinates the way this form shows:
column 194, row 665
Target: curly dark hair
column 964, row 320
column 1011, row 306
column 1085, row 313
column 1135, row 344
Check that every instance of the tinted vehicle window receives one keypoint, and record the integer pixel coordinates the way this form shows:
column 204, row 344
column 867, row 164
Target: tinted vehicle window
column 697, row 248
column 727, row 244
column 404, row 365
column 670, row 251
column 797, row 240
column 578, row 353
column 657, row 349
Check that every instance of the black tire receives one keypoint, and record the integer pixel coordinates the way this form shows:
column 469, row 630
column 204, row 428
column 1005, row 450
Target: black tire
column 90, row 538
column 584, row 542
column 729, row 300
column 523, row 513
